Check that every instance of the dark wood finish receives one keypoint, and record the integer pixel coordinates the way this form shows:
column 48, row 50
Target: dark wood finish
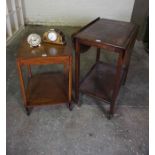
column 104, row 81
column 84, row 27
column 98, row 54
column 83, row 48
column 112, row 34
column 46, row 88
column 77, row 71
column 99, row 81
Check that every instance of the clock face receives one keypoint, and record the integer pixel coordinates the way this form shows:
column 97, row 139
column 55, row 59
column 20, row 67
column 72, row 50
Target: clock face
column 34, row 39
column 52, row 36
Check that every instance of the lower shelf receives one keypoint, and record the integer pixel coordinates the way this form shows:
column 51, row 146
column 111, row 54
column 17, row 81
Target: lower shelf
column 47, row 88
column 99, row 81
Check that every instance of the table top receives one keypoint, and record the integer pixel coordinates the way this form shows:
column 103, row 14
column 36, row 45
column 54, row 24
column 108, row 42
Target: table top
column 45, row 50
column 109, row 32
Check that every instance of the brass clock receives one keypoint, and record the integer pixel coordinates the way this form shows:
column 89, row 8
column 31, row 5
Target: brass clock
column 54, row 36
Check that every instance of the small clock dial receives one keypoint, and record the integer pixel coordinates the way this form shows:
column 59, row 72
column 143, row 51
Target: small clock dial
column 34, row 39
column 52, row 36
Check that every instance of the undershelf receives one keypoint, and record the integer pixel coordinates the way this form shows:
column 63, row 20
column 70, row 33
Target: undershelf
column 47, row 88
column 99, row 81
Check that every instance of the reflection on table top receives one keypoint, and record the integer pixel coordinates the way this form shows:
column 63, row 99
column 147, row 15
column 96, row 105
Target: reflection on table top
column 45, row 50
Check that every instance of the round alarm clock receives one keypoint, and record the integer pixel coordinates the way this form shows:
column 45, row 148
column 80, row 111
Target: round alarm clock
column 34, row 40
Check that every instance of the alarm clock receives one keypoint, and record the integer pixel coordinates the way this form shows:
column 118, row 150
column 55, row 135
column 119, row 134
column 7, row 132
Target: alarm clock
column 34, row 40
column 54, row 36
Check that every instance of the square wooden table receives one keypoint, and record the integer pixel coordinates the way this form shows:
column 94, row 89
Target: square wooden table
column 104, row 80
column 45, row 88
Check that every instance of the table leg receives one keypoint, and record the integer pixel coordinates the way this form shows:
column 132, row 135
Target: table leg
column 127, row 59
column 98, row 55
column 22, row 86
column 125, row 75
column 126, row 63
column 70, row 83
column 117, row 83
column 28, row 110
column 77, row 71
column 21, row 82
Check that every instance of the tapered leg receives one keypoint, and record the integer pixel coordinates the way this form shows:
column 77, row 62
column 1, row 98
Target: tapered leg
column 125, row 76
column 77, row 71
column 21, row 82
column 117, row 84
column 70, row 83
column 98, row 55
column 28, row 110
column 126, row 61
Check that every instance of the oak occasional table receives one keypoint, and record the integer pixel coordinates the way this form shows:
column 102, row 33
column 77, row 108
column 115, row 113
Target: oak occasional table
column 104, row 80
column 45, row 88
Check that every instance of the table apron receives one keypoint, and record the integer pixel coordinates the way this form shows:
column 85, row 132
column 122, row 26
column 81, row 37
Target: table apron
column 38, row 61
column 101, row 45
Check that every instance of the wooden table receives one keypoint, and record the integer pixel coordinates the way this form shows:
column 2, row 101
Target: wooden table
column 46, row 88
column 104, row 80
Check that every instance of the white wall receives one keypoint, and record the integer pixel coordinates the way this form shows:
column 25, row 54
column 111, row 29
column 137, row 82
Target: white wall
column 75, row 12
